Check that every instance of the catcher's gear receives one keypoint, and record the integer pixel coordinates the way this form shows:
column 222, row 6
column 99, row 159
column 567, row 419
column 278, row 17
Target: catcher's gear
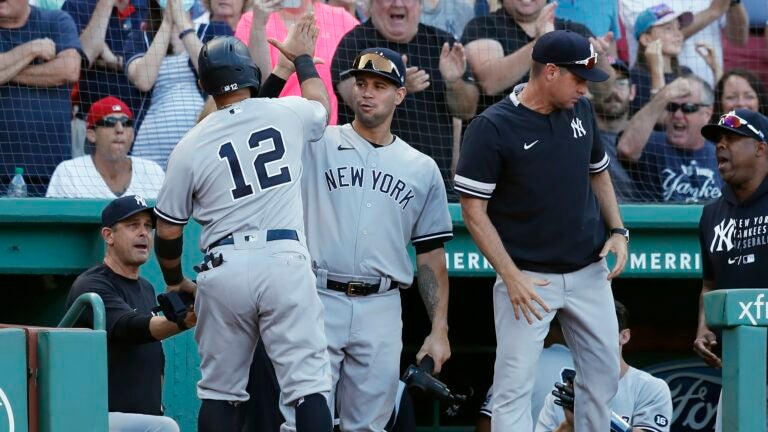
column 225, row 65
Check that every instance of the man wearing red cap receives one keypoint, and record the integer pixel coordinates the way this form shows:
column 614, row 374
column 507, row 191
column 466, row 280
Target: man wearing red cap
column 108, row 172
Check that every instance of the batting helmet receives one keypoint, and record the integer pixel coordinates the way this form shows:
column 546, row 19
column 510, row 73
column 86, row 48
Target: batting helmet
column 225, row 65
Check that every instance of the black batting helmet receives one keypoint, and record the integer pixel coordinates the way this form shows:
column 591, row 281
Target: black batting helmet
column 225, row 65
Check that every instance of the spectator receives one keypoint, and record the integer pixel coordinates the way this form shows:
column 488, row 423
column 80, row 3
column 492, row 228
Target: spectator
column 163, row 59
column 135, row 360
column 753, row 55
column 739, row 88
column 105, row 26
column 449, row 15
column 599, row 16
column 268, row 20
column 611, row 104
column 39, row 61
column 359, row 10
column 109, row 172
column 642, row 400
column 705, row 28
column 659, row 36
column 499, row 45
column 679, row 164
column 437, row 78
column 222, row 11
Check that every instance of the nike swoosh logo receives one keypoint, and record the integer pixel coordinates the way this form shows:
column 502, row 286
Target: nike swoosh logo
column 527, row 146
column 344, row 148
column 731, row 260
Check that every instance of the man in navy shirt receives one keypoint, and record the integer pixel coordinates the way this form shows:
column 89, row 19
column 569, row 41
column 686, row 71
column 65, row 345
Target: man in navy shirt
column 104, row 27
column 538, row 200
column 678, row 164
column 39, row 61
column 733, row 231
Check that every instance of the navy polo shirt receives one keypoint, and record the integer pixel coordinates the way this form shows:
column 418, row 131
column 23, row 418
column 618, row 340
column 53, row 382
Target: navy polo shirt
column 35, row 131
column 734, row 240
column 535, row 170
column 95, row 82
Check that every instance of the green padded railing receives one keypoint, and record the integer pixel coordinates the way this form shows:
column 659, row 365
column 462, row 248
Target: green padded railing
column 97, row 306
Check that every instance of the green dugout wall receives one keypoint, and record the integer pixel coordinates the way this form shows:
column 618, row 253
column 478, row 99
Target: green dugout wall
column 45, row 239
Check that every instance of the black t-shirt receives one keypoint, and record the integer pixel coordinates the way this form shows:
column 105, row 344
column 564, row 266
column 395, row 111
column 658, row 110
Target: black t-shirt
column 535, row 170
column 733, row 237
column 423, row 119
column 135, row 370
column 503, row 28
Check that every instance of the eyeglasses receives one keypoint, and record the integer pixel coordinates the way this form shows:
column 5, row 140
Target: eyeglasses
column 733, row 121
column 688, row 107
column 110, row 122
column 378, row 62
column 588, row 62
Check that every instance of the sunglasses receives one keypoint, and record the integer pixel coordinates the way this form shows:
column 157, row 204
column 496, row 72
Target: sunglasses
column 733, row 121
column 110, row 122
column 378, row 62
column 688, row 107
column 588, row 62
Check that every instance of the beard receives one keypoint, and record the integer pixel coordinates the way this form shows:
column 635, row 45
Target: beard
column 612, row 108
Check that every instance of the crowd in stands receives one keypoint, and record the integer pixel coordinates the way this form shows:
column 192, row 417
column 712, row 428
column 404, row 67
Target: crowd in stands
column 94, row 94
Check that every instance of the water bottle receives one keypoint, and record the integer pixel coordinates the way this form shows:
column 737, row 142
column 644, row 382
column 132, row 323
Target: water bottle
column 17, row 188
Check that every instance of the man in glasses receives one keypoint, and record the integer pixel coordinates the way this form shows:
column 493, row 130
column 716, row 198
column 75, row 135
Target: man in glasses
column 678, row 164
column 108, row 171
column 367, row 195
column 538, row 200
column 733, row 230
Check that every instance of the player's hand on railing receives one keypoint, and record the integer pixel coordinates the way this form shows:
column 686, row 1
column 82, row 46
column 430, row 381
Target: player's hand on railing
column 416, row 79
column 453, row 62
column 438, row 347
column 521, row 289
column 704, row 344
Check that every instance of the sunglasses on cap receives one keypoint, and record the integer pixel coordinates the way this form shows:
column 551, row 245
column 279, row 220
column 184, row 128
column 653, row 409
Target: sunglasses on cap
column 378, row 62
column 588, row 62
column 734, row 121
column 687, row 108
column 110, row 122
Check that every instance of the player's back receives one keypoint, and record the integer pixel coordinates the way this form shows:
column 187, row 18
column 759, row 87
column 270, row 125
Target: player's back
column 243, row 166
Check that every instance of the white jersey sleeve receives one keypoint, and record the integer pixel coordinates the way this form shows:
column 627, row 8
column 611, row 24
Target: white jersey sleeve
column 653, row 406
column 174, row 202
column 550, row 417
column 313, row 115
column 434, row 222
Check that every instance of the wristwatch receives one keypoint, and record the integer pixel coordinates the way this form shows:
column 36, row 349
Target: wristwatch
column 621, row 231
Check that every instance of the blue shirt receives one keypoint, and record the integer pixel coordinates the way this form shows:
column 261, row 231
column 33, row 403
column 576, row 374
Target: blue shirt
column 95, row 82
column 35, row 131
column 670, row 174
column 600, row 16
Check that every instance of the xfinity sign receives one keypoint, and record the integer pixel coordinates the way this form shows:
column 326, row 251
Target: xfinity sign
column 736, row 307
column 754, row 309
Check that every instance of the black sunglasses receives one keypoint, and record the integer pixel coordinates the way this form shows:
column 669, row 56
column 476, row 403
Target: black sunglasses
column 111, row 122
column 688, row 107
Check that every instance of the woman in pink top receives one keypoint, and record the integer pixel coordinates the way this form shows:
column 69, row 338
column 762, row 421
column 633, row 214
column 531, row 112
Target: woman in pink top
column 269, row 20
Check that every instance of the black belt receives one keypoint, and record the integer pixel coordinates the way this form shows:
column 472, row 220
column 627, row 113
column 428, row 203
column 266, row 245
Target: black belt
column 354, row 289
column 272, row 235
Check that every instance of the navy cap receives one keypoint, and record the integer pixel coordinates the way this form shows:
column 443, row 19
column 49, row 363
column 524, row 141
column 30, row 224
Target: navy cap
column 123, row 208
column 382, row 62
column 742, row 122
column 619, row 65
column 571, row 51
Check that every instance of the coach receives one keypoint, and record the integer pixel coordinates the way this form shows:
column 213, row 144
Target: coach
column 537, row 198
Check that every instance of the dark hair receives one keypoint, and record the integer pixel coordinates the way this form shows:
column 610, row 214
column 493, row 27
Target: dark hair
column 536, row 69
column 642, row 63
column 754, row 82
column 622, row 315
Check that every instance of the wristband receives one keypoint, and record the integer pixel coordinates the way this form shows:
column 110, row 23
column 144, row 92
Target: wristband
column 185, row 32
column 173, row 275
column 305, row 68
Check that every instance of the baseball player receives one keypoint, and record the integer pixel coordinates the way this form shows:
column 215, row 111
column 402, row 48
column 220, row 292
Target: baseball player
column 539, row 203
column 237, row 173
column 643, row 401
column 367, row 195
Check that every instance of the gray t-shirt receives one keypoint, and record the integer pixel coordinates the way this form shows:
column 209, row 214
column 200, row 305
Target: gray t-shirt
column 449, row 15
column 239, row 169
column 364, row 204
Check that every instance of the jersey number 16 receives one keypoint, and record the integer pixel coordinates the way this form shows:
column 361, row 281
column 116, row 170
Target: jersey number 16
column 266, row 181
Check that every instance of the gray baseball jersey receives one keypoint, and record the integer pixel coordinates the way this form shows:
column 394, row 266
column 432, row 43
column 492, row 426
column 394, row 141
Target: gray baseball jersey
column 642, row 400
column 364, row 205
column 239, row 169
